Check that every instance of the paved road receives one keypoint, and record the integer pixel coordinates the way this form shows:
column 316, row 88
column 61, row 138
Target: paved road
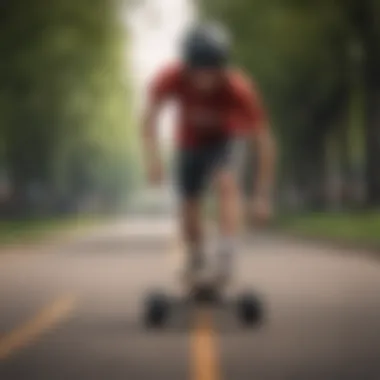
column 72, row 310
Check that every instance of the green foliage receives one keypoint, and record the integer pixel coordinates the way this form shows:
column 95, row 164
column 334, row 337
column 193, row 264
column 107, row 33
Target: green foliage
column 65, row 105
column 309, row 59
column 350, row 228
column 33, row 230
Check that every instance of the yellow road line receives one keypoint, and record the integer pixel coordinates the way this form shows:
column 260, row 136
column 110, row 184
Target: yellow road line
column 45, row 320
column 204, row 358
column 204, row 363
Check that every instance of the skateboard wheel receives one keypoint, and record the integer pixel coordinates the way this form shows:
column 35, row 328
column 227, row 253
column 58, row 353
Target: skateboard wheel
column 156, row 310
column 249, row 309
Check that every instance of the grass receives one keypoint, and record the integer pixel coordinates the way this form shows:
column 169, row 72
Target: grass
column 363, row 228
column 31, row 230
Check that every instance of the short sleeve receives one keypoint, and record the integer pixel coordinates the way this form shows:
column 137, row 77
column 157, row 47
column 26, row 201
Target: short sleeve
column 164, row 84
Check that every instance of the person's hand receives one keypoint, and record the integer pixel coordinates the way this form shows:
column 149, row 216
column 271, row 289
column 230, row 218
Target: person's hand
column 155, row 173
column 261, row 210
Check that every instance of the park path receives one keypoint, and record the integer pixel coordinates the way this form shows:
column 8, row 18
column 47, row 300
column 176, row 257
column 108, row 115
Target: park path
column 72, row 311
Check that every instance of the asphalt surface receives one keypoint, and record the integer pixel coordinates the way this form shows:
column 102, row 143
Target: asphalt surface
column 72, row 311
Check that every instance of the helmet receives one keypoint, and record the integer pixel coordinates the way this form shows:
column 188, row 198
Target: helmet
column 206, row 46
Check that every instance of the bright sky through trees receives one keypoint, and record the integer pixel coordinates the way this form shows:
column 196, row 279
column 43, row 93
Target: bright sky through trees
column 156, row 26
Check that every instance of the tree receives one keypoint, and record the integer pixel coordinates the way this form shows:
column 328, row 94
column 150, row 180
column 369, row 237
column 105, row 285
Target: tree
column 65, row 104
column 300, row 53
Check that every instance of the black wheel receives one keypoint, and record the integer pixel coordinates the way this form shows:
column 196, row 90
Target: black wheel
column 249, row 309
column 157, row 310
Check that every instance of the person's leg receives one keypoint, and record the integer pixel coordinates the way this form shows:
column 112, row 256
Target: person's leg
column 229, row 207
column 192, row 233
column 228, row 197
column 191, row 178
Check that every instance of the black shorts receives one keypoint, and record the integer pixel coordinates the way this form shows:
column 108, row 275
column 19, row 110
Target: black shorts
column 196, row 167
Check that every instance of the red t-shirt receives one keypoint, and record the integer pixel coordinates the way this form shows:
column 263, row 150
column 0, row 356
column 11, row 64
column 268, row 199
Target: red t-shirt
column 232, row 109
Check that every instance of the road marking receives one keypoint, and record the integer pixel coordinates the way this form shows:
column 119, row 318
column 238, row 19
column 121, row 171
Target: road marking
column 204, row 363
column 44, row 321
column 204, row 358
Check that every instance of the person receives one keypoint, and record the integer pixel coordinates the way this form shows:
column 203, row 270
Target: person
column 217, row 104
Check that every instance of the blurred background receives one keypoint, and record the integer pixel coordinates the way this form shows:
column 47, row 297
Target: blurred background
column 73, row 79
column 84, row 240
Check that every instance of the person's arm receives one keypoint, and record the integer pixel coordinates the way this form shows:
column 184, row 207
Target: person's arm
column 260, row 138
column 159, row 91
column 266, row 149
column 152, row 156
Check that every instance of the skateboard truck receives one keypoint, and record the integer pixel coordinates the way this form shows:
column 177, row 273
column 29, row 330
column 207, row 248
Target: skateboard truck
column 158, row 307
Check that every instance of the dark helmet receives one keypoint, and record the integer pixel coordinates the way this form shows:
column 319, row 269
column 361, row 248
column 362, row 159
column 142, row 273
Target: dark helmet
column 206, row 46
